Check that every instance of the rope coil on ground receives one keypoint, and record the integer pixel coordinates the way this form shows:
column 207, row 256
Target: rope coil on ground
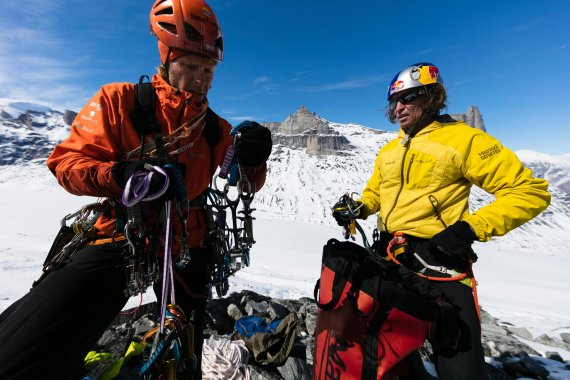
column 225, row 359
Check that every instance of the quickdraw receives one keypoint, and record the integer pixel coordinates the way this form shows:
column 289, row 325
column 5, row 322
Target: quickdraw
column 171, row 353
column 142, row 266
column 230, row 242
column 72, row 237
column 349, row 209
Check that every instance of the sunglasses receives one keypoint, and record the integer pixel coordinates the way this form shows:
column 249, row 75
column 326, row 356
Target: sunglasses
column 406, row 99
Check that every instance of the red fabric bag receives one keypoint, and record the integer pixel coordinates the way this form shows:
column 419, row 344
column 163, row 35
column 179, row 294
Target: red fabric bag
column 360, row 334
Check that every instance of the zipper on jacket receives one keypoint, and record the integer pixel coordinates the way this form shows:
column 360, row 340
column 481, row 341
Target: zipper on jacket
column 435, row 205
column 409, row 168
column 401, row 187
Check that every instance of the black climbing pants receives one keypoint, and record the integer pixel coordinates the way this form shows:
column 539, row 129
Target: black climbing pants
column 47, row 333
column 466, row 361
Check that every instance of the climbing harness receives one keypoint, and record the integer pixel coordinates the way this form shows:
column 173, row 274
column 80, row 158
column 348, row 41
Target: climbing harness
column 399, row 245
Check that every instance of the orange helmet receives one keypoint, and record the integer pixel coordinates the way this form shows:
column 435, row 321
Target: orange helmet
column 183, row 26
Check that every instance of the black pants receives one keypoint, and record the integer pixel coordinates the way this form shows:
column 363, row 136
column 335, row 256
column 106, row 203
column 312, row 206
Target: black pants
column 47, row 333
column 467, row 362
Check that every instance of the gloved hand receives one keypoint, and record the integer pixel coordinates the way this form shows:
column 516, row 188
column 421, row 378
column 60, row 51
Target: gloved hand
column 455, row 242
column 124, row 170
column 345, row 210
column 254, row 143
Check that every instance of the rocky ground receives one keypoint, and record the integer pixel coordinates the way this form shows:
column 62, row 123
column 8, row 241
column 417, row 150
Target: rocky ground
column 510, row 358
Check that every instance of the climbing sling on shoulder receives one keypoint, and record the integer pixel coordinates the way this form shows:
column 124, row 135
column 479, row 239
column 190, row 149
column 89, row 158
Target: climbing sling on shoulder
column 368, row 320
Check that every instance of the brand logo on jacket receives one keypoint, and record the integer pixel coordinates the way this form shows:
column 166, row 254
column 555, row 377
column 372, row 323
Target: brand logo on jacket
column 95, row 105
column 495, row 149
column 82, row 127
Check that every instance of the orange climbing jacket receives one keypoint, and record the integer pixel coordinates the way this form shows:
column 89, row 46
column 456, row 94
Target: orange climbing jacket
column 103, row 134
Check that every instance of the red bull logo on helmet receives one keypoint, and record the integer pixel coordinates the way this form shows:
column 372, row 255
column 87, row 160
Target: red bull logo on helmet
column 396, row 86
column 425, row 74
column 206, row 12
column 433, row 72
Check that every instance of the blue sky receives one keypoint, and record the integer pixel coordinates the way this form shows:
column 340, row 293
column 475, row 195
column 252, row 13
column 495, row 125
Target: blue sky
column 509, row 58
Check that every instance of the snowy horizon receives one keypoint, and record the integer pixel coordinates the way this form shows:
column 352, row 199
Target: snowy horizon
column 522, row 287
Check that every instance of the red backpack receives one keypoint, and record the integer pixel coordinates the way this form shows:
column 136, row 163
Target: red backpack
column 368, row 318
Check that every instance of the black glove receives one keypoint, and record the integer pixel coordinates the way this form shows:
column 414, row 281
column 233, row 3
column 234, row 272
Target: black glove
column 254, row 144
column 123, row 170
column 454, row 243
column 342, row 213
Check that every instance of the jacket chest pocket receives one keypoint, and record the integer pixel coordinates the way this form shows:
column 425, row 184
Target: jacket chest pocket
column 418, row 169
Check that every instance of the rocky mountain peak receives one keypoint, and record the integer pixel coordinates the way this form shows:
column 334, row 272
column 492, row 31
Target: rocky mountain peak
column 69, row 116
column 29, row 131
column 304, row 129
column 473, row 117
column 302, row 121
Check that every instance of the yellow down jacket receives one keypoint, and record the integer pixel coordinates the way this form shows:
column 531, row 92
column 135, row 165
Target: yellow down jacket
column 421, row 188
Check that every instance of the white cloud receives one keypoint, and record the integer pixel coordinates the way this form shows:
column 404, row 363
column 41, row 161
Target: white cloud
column 525, row 25
column 242, row 118
column 265, row 83
column 344, row 85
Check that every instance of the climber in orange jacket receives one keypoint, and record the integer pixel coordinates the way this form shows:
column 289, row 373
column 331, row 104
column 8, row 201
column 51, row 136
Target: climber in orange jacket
column 47, row 333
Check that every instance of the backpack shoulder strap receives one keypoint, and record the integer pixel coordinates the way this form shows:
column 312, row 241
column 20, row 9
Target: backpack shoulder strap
column 212, row 129
column 143, row 115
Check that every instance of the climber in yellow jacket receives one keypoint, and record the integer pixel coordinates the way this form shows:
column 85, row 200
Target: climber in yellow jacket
column 420, row 187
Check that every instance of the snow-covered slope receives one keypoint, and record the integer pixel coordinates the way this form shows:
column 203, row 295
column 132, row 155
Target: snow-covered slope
column 28, row 131
column 302, row 185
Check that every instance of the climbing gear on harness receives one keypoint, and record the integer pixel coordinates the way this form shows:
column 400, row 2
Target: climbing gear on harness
column 140, row 184
column 466, row 277
column 230, row 243
column 70, row 238
column 345, row 212
column 399, row 245
column 142, row 265
column 168, row 348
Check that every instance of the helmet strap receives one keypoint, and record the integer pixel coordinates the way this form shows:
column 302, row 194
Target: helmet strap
column 167, row 60
column 166, row 65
